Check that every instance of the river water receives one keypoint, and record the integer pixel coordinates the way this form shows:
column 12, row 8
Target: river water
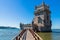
column 9, row 34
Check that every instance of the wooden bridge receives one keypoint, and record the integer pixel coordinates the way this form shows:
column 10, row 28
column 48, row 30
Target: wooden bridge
column 28, row 34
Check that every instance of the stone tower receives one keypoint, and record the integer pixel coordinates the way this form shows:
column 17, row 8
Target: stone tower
column 42, row 19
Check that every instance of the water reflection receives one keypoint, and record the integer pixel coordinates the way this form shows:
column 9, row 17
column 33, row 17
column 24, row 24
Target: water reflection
column 55, row 36
column 46, row 35
column 50, row 35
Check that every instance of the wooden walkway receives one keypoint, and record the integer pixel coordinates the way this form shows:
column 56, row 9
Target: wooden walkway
column 27, row 34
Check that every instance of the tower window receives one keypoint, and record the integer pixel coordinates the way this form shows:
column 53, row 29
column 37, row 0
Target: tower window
column 37, row 14
column 39, row 20
column 41, row 13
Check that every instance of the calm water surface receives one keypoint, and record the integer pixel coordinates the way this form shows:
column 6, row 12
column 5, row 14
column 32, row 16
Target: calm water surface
column 55, row 34
column 9, row 34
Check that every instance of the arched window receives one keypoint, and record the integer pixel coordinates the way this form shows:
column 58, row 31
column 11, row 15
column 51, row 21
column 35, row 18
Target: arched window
column 39, row 20
column 41, row 13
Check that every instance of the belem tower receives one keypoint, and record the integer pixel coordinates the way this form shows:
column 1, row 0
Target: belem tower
column 41, row 21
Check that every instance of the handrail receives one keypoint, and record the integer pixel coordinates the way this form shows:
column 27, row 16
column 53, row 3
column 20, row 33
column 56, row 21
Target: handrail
column 32, row 33
column 16, row 35
column 20, row 35
column 35, row 35
column 38, row 36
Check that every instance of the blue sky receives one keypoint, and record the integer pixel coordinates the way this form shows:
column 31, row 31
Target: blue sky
column 12, row 12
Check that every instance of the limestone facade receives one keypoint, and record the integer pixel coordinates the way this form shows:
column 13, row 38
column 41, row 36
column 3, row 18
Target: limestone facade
column 42, row 20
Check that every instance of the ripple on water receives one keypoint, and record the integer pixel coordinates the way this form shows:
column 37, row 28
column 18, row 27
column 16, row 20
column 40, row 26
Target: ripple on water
column 8, row 34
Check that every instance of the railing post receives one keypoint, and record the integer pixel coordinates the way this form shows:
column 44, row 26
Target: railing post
column 17, row 38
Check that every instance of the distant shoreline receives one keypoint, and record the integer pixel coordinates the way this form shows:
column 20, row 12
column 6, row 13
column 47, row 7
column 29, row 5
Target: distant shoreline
column 3, row 27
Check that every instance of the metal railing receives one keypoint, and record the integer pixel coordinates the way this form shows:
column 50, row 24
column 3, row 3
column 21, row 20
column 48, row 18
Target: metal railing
column 36, row 36
column 20, row 35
